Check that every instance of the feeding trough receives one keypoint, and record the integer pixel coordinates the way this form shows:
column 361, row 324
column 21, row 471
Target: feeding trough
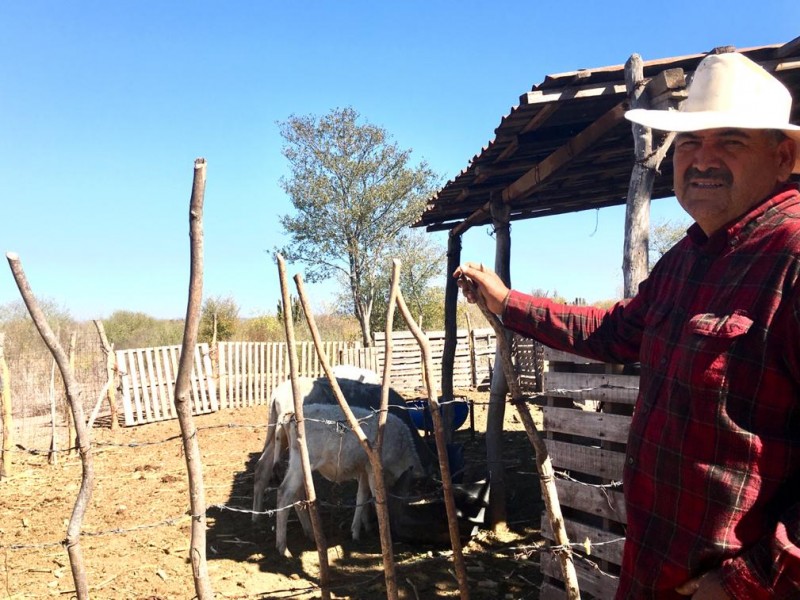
column 421, row 415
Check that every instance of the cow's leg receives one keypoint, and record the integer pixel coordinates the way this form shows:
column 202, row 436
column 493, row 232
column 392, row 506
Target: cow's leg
column 261, row 477
column 361, row 516
column 289, row 492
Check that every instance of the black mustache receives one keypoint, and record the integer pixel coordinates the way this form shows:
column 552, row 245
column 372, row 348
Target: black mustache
column 721, row 175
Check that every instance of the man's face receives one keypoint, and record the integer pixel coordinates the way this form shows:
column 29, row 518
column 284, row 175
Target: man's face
column 721, row 173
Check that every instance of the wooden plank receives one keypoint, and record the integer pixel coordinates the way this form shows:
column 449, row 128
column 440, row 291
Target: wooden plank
column 605, row 502
column 208, row 376
column 145, row 383
column 591, row 580
column 124, row 368
column 598, row 425
column 171, row 367
column 550, row 354
column 136, row 386
column 590, row 386
column 602, row 545
column 152, row 384
column 586, row 459
column 164, row 399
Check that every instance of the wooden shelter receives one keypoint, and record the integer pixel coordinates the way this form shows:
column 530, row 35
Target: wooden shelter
column 567, row 147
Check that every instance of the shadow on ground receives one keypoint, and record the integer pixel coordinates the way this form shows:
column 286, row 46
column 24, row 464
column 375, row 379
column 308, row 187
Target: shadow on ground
column 497, row 566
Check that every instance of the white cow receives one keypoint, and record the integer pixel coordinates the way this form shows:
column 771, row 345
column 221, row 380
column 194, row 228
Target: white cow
column 318, row 391
column 335, row 452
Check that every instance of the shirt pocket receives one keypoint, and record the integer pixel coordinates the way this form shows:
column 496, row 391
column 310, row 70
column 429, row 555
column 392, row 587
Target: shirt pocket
column 711, row 342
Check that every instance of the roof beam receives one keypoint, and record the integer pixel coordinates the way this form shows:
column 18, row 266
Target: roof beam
column 534, row 177
column 475, row 217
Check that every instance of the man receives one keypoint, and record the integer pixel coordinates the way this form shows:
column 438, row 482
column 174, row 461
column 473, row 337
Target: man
column 712, row 472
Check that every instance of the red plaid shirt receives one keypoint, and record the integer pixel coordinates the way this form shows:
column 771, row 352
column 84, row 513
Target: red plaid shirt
column 712, row 473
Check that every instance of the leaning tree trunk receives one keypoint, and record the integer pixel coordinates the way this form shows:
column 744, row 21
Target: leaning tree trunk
column 73, row 541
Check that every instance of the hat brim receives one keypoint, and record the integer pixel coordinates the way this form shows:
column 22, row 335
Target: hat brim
column 680, row 122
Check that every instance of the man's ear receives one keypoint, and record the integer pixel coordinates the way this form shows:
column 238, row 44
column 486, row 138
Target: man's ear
column 787, row 155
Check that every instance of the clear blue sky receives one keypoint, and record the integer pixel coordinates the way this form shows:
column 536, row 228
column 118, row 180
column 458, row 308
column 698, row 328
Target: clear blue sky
column 105, row 105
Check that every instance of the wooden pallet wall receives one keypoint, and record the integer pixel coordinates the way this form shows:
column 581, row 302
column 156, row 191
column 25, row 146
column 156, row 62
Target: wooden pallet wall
column 474, row 352
column 587, row 411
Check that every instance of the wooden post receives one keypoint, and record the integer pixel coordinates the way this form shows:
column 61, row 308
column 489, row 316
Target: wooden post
column 8, row 424
column 71, row 445
column 305, row 462
column 473, row 364
column 450, row 331
column 637, row 212
column 111, row 372
column 499, row 385
column 441, row 447
column 52, row 455
column 73, row 541
column 543, row 463
column 183, row 405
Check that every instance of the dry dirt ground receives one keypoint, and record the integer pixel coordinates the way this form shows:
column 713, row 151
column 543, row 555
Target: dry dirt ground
column 136, row 531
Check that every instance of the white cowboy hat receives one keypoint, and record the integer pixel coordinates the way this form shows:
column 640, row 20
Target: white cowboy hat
column 728, row 90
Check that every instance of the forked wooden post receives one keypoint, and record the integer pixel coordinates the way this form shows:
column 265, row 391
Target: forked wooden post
column 373, row 451
column 441, row 444
column 73, row 541
column 308, row 482
column 543, row 463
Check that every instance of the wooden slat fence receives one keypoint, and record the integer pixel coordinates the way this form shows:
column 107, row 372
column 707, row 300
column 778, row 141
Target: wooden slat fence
column 148, row 383
column 587, row 412
column 248, row 372
column 240, row 374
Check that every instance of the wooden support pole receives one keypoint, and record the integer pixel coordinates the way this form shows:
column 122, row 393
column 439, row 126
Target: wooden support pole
column 499, row 386
column 374, row 450
column 637, row 212
column 441, row 447
column 543, row 463
column 305, row 462
column 73, row 540
column 183, row 404
column 450, row 330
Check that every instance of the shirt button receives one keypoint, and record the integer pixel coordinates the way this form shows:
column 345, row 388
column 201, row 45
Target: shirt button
column 630, row 461
column 663, row 361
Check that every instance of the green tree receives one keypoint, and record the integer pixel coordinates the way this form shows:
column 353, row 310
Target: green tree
column 222, row 313
column 663, row 236
column 421, row 261
column 353, row 191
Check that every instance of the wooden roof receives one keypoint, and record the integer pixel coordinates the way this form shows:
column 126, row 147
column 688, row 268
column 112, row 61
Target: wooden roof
column 567, row 146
